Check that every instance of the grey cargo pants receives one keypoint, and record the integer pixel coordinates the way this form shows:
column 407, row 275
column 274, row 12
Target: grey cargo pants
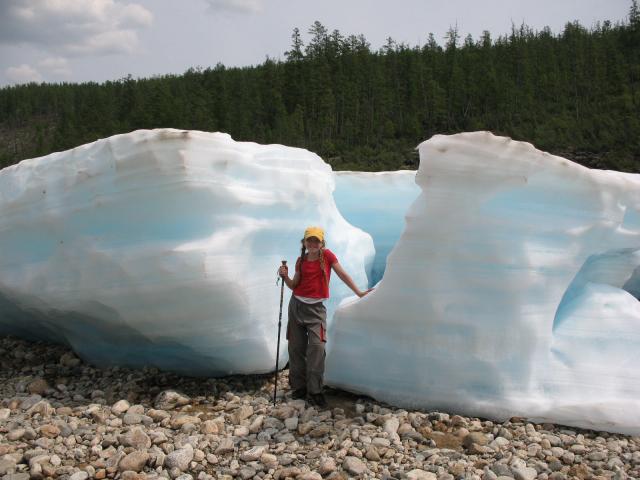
column 306, row 333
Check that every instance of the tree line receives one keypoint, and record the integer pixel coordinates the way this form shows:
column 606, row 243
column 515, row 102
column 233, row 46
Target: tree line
column 575, row 93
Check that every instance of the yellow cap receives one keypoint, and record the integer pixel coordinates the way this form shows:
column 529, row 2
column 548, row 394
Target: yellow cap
column 314, row 232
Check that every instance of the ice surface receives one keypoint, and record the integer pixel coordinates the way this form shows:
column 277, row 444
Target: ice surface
column 513, row 289
column 161, row 248
column 376, row 202
column 510, row 292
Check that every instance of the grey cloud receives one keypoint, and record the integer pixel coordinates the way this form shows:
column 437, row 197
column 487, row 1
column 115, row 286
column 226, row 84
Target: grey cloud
column 73, row 27
column 237, row 6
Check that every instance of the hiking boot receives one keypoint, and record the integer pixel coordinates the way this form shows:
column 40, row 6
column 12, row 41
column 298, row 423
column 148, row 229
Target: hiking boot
column 318, row 400
column 300, row 393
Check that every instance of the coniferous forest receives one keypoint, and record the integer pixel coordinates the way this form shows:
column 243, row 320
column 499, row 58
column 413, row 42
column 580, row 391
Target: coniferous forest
column 575, row 93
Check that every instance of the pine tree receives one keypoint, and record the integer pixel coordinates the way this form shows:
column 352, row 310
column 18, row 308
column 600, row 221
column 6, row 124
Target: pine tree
column 295, row 54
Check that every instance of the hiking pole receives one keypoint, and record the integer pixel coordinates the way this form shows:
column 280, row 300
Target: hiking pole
column 275, row 385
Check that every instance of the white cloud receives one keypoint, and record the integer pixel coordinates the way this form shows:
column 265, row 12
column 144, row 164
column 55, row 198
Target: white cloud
column 121, row 41
column 56, row 66
column 73, row 27
column 239, row 6
column 22, row 74
column 136, row 16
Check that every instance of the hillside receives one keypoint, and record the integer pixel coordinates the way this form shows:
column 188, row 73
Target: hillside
column 576, row 94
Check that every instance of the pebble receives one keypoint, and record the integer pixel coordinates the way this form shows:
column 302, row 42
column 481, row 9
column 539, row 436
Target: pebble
column 269, row 460
column 253, row 454
column 16, row 434
column 354, row 466
column 417, row 474
column 120, row 407
column 372, row 454
column 180, row 459
column 327, row 466
column 475, row 437
column 62, row 418
column 134, row 462
column 170, row 399
column 242, row 413
column 79, row 476
column 597, row 456
column 241, row 431
column 291, row 423
column 136, row 438
column 309, row 476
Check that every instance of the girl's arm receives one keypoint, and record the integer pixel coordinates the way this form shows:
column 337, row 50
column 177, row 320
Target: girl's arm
column 293, row 282
column 290, row 282
column 344, row 276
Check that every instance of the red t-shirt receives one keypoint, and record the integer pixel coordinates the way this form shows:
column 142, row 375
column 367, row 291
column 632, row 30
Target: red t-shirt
column 312, row 284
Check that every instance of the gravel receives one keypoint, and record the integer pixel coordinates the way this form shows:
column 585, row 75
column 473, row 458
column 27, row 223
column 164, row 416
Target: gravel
column 62, row 418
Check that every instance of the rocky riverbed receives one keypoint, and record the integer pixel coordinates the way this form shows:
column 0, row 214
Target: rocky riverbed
column 61, row 418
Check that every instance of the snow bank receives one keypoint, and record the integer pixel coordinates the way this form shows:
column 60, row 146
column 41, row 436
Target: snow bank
column 161, row 248
column 505, row 294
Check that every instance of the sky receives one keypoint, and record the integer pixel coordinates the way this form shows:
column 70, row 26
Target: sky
column 99, row 40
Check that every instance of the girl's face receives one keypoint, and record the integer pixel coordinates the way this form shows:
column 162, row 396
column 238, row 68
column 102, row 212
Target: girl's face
column 312, row 244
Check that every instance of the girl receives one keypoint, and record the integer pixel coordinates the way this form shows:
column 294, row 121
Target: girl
column 307, row 326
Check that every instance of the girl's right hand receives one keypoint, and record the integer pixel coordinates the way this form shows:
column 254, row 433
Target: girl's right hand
column 283, row 271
